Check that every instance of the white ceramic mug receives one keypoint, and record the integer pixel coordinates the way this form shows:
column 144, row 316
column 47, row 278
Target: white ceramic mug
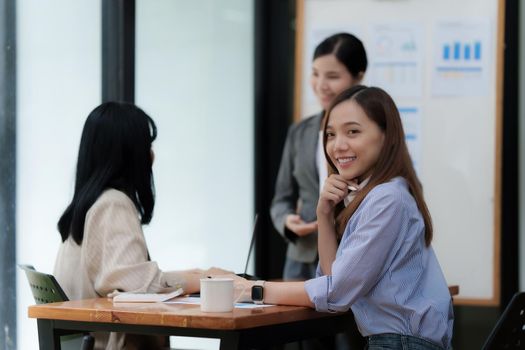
column 218, row 294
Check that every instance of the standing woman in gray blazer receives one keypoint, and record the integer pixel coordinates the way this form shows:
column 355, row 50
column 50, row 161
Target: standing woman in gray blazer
column 339, row 62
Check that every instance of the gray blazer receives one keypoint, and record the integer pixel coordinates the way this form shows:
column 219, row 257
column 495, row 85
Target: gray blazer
column 298, row 180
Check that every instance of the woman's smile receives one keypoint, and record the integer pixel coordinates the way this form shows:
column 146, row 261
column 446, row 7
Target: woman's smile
column 345, row 162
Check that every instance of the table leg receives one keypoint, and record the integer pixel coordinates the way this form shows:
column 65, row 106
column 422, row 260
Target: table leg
column 230, row 341
column 48, row 339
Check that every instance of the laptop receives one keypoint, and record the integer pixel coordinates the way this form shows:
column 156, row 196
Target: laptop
column 252, row 243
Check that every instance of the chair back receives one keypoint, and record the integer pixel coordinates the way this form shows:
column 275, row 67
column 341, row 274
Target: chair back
column 509, row 330
column 44, row 287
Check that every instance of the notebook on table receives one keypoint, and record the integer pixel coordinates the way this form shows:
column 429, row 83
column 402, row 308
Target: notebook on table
column 129, row 297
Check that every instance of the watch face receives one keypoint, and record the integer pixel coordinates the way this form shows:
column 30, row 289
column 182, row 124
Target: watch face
column 257, row 293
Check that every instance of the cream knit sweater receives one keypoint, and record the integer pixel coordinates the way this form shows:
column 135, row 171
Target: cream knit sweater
column 113, row 256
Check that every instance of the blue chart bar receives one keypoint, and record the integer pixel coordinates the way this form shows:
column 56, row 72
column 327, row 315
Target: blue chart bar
column 467, row 52
column 457, row 51
column 477, row 50
column 446, row 52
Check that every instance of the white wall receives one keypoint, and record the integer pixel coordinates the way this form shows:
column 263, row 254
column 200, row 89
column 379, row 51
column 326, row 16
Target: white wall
column 194, row 76
column 59, row 80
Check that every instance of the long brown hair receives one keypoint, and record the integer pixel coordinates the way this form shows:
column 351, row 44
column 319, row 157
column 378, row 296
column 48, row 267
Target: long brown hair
column 394, row 159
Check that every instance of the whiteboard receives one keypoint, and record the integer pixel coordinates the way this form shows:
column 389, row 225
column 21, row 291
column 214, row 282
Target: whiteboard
column 441, row 60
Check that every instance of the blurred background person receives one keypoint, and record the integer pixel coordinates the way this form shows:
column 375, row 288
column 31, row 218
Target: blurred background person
column 339, row 62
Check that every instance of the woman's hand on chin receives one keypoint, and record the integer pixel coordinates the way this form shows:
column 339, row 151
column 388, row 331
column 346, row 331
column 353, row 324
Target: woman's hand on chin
column 335, row 189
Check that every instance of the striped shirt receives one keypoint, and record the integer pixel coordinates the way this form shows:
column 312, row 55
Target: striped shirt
column 385, row 273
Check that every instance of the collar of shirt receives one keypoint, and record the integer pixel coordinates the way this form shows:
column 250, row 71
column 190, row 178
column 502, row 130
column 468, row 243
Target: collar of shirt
column 351, row 195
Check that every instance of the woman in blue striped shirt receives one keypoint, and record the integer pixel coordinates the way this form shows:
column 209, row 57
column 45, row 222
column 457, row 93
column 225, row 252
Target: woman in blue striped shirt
column 375, row 231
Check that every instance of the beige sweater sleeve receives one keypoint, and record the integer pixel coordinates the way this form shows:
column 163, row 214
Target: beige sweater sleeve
column 114, row 250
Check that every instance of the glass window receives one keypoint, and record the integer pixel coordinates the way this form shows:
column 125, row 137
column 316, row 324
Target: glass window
column 194, row 76
column 59, row 83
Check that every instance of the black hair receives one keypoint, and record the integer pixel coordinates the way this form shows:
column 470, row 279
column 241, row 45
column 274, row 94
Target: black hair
column 348, row 50
column 114, row 152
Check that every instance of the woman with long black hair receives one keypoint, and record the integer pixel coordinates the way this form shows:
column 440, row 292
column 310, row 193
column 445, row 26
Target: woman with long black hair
column 103, row 247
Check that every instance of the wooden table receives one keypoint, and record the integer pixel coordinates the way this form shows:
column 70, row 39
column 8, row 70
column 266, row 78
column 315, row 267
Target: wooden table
column 240, row 329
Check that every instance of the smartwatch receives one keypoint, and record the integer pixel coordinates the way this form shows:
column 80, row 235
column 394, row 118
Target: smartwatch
column 258, row 292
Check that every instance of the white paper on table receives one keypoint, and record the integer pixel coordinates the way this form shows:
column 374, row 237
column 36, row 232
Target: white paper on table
column 197, row 301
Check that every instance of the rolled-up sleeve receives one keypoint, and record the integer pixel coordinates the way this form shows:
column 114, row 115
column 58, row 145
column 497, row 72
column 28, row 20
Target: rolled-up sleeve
column 318, row 289
column 366, row 250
